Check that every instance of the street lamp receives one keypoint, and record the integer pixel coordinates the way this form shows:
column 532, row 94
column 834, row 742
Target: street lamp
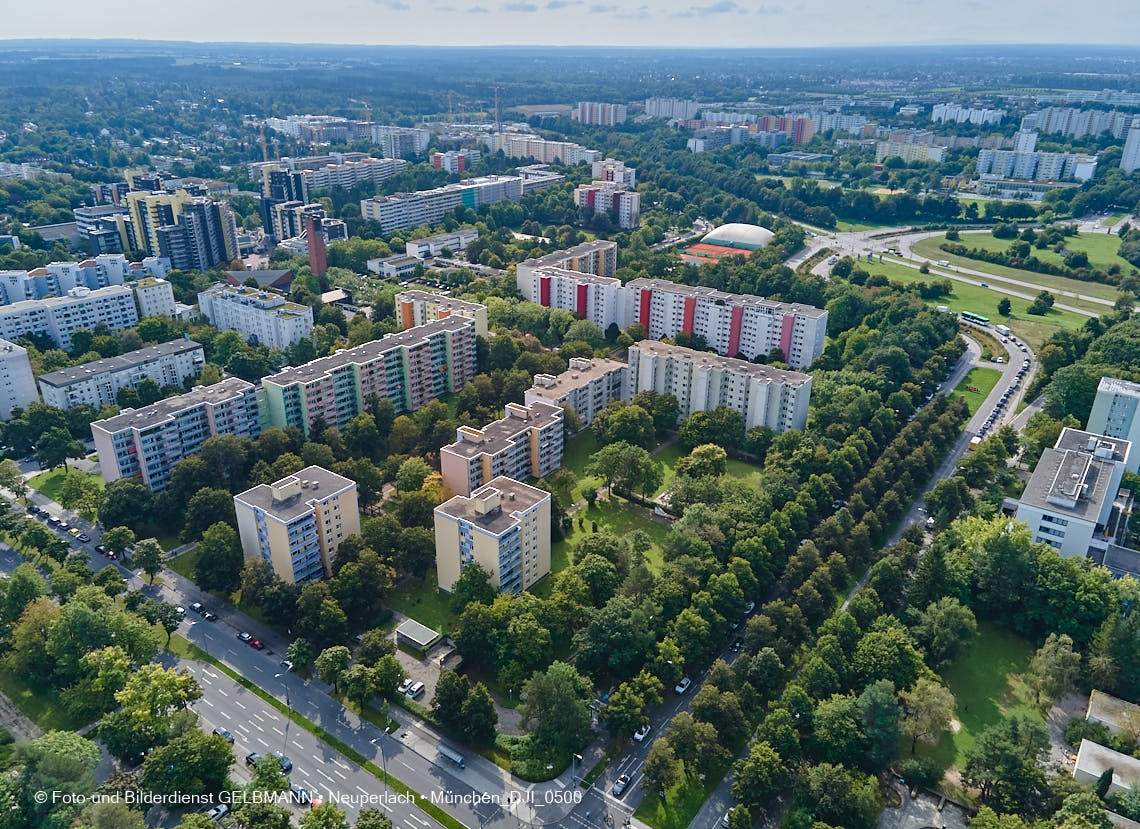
column 383, row 758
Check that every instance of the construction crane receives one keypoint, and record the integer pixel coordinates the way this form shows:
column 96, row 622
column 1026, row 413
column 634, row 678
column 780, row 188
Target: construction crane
column 264, row 149
column 367, row 110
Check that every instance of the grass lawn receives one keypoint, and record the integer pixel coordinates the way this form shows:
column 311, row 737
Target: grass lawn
column 1055, row 284
column 50, row 482
column 986, row 682
column 1101, row 249
column 1033, row 329
column 424, row 602
column 983, row 379
column 575, row 456
column 672, row 453
column 185, row 564
column 44, row 712
column 679, row 805
column 622, row 519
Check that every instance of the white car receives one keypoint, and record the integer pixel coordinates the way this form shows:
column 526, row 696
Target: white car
column 683, row 685
column 641, row 733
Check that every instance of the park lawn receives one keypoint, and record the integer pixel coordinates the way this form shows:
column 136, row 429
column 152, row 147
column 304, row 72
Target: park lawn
column 50, row 482
column 1057, row 285
column 680, row 804
column 983, row 379
column 620, row 518
column 575, row 455
column 1101, row 249
column 988, row 683
column 423, row 601
column 44, row 712
column 673, row 452
column 1035, row 330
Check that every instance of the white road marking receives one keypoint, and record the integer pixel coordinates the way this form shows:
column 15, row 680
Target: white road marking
column 325, row 776
column 278, row 730
column 339, row 763
column 224, row 714
column 239, row 705
column 258, row 716
column 262, row 742
column 405, row 765
column 361, row 789
column 417, row 819
column 340, row 774
column 298, row 745
column 207, row 702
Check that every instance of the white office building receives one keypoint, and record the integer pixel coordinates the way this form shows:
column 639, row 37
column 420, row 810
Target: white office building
column 258, row 314
column 59, row 317
column 701, row 382
column 1073, row 500
column 98, row 382
column 1114, row 414
column 587, row 386
column 430, row 246
column 17, row 385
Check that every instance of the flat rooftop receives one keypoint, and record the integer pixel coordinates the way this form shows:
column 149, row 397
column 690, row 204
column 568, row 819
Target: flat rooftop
column 515, row 497
column 1073, row 477
column 699, row 291
column 442, row 300
column 1112, row 711
column 714, row 361
column 1095, row 759
column 316, row 484
column 367, row 352
column 573, row 378
column 1114, row 385
column 82, row 295
column 578, row 276
column 440, row 238
column 227, row 389
column 575, row 252
column 497, row 434
column 84, row 371
column 421, row 635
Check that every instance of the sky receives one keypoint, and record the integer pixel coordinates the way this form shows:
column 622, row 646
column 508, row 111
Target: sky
column 754, row 23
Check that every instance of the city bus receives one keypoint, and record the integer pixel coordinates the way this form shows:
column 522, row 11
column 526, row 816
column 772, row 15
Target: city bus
column 976, row 319
column 451, row 754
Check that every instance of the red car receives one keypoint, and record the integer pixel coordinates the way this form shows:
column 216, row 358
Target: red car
column 257, row 644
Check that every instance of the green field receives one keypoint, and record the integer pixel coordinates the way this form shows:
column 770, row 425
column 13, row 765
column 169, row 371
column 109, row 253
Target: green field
column 983, row 379
column 987, row 683
column 50, row 482
column 1058, row 285
column 44, row 712
column 680, row 804
column 1100, row 248
column 423, row 601
column 1033, row 329
column 619, row 517
column 575, row 456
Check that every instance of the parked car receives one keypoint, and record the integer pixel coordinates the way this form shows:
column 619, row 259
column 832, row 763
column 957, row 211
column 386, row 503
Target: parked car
column 748, row 608
column 72, row 531
column 55, row 522
column 724, row 820
column 225, row 735
column 84, row 537
column 218, row 812
column 287, row 664
column 245, row 637
column 210, row 617
column 100, row 549
column 181, row 610
column 641, row 733
column 415, row 690
column 286, row 763
column 405, row 685
column 252, row 759
column 736, row 645
column 620, row 785
column 300, row 795
column 683, row 685
column 197, row 607
column 257, row 644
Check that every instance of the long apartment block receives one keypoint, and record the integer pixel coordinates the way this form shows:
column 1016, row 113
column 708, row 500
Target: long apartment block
column 587, row 387
column 701, row 382
column 525, row 443
column 258, row 314
column 730, row 323
column 61, row 316
column 503, row 526
column 421, row 307
column 99, row 381
column 410, row 369
column 598, row 257
column 146, row 443
column 405, row 210
column 57, row 278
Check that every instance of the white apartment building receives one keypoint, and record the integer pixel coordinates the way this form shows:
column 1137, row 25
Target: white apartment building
column 400, row 142
column 587, row 386
column 673, row 108
column 537, row 177
column 593, row 297
column 17, row 384
column 1130, row 158
column 456, row 161
column 609, row 169
column 57, row 278
column 604, row 196
column 300, row 181
column 154, row 297
column 731, row 324
column 909, row 153
column 525, row 443
column 1035, row 166
column 525, row 145
column 1073, row 500
column 1025, row 141
column 415, row 308
column 429, row 246
column 942, row 113
column 598, row 257
column 59, row 317
column 147, row 443
column 503, row 526
column 1077, row 123
column 600, row 114
column 1114, row 414
column 404, row 210
column 258, row 314
column 701, row 382
column 98, row 382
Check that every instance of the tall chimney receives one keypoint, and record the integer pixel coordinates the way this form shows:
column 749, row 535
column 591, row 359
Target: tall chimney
column 318, row 261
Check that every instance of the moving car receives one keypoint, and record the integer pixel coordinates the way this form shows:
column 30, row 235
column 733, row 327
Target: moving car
column 641, row 733
column 225, row 735
column 620, row 785
column 683, row 685
column 197, row 607
column 245, row 637
column 257, row 644
column 287, row 664
column 208, row 616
